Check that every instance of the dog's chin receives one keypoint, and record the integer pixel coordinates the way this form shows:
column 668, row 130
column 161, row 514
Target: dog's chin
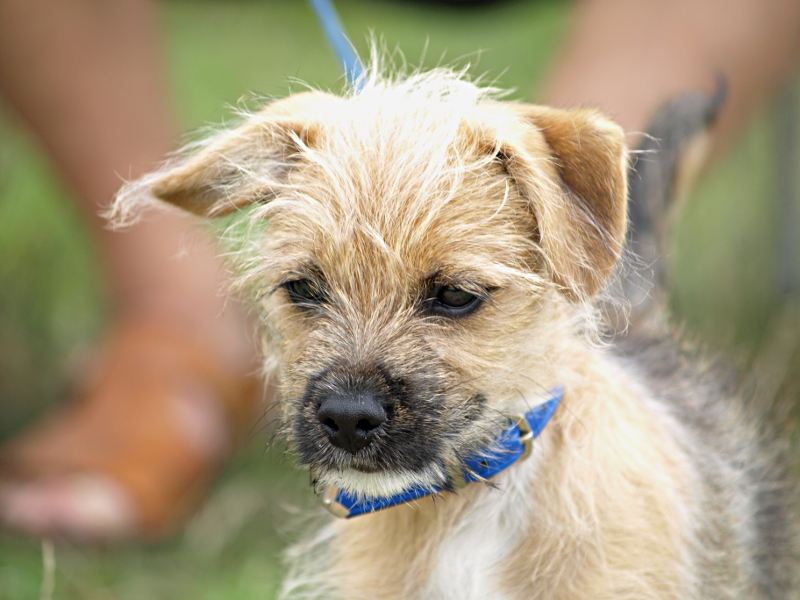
column 381, row 484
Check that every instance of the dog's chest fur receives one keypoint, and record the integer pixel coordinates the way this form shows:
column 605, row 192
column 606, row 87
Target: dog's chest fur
column 469, row 561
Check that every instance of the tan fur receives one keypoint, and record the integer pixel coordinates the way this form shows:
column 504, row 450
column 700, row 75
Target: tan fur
column 425, row 180
column 626, row 485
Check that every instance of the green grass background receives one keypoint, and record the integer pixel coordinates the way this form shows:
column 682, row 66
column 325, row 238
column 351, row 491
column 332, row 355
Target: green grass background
column 52, row 301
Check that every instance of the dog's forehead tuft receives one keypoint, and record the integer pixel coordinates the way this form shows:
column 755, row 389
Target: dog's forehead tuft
column 474, row 222
column 406, row 174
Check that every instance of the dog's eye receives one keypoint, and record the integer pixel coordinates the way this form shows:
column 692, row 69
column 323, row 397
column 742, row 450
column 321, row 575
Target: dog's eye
column 452, row 302
column 304, row 292
column 455, row 298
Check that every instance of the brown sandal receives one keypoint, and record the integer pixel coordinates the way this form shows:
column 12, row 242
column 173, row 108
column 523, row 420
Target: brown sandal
column 136, row 452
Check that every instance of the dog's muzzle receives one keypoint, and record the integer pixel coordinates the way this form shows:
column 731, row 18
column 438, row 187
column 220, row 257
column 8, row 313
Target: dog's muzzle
column 514, row 445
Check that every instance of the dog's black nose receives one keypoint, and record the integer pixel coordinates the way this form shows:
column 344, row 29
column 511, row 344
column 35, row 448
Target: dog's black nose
column 351, row 421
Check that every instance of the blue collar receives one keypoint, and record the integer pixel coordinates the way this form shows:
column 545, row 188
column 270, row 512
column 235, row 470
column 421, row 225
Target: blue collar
column 514, row 444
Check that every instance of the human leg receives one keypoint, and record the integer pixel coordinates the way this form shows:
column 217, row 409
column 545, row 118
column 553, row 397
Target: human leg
column 88, row 79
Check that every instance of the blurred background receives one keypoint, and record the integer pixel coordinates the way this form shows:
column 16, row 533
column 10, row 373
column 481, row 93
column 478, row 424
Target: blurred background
column 52, row 302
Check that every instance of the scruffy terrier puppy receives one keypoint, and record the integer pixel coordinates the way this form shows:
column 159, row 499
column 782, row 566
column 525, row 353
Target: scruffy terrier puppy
column 425, row 259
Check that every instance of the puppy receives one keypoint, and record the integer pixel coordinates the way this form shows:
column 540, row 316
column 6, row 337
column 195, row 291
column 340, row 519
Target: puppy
column 426, row 261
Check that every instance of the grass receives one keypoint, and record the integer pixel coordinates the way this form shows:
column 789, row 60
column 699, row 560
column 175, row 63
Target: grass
column 229, row 550
column 52, row 302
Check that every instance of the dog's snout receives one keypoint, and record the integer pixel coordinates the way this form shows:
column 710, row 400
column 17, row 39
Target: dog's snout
column 351, row 422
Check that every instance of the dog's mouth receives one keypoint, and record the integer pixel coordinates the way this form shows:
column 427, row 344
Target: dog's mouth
column 376, row 435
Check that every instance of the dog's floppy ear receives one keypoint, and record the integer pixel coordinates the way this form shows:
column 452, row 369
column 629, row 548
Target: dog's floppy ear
column 581, row 213
column 235, row 167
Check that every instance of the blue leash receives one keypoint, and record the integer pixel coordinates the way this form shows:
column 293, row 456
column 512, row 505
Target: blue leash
column 513, row 445
column 334, row 31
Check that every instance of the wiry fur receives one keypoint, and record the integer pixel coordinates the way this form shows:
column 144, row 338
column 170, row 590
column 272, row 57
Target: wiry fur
column 649, row 482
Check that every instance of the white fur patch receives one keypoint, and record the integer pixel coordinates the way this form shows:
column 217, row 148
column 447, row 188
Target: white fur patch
column 374, row 485
column 469, row 556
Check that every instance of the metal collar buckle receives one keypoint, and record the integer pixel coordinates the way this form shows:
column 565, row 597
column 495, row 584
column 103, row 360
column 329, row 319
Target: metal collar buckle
column 329, row 501
column 525, row 436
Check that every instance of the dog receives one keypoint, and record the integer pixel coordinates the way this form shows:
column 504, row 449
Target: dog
column 427, row 262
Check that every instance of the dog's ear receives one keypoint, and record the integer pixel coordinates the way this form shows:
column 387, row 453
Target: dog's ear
column 572, row 166
column 235, row 167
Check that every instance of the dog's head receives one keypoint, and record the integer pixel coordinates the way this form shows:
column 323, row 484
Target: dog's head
column 420, row 252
